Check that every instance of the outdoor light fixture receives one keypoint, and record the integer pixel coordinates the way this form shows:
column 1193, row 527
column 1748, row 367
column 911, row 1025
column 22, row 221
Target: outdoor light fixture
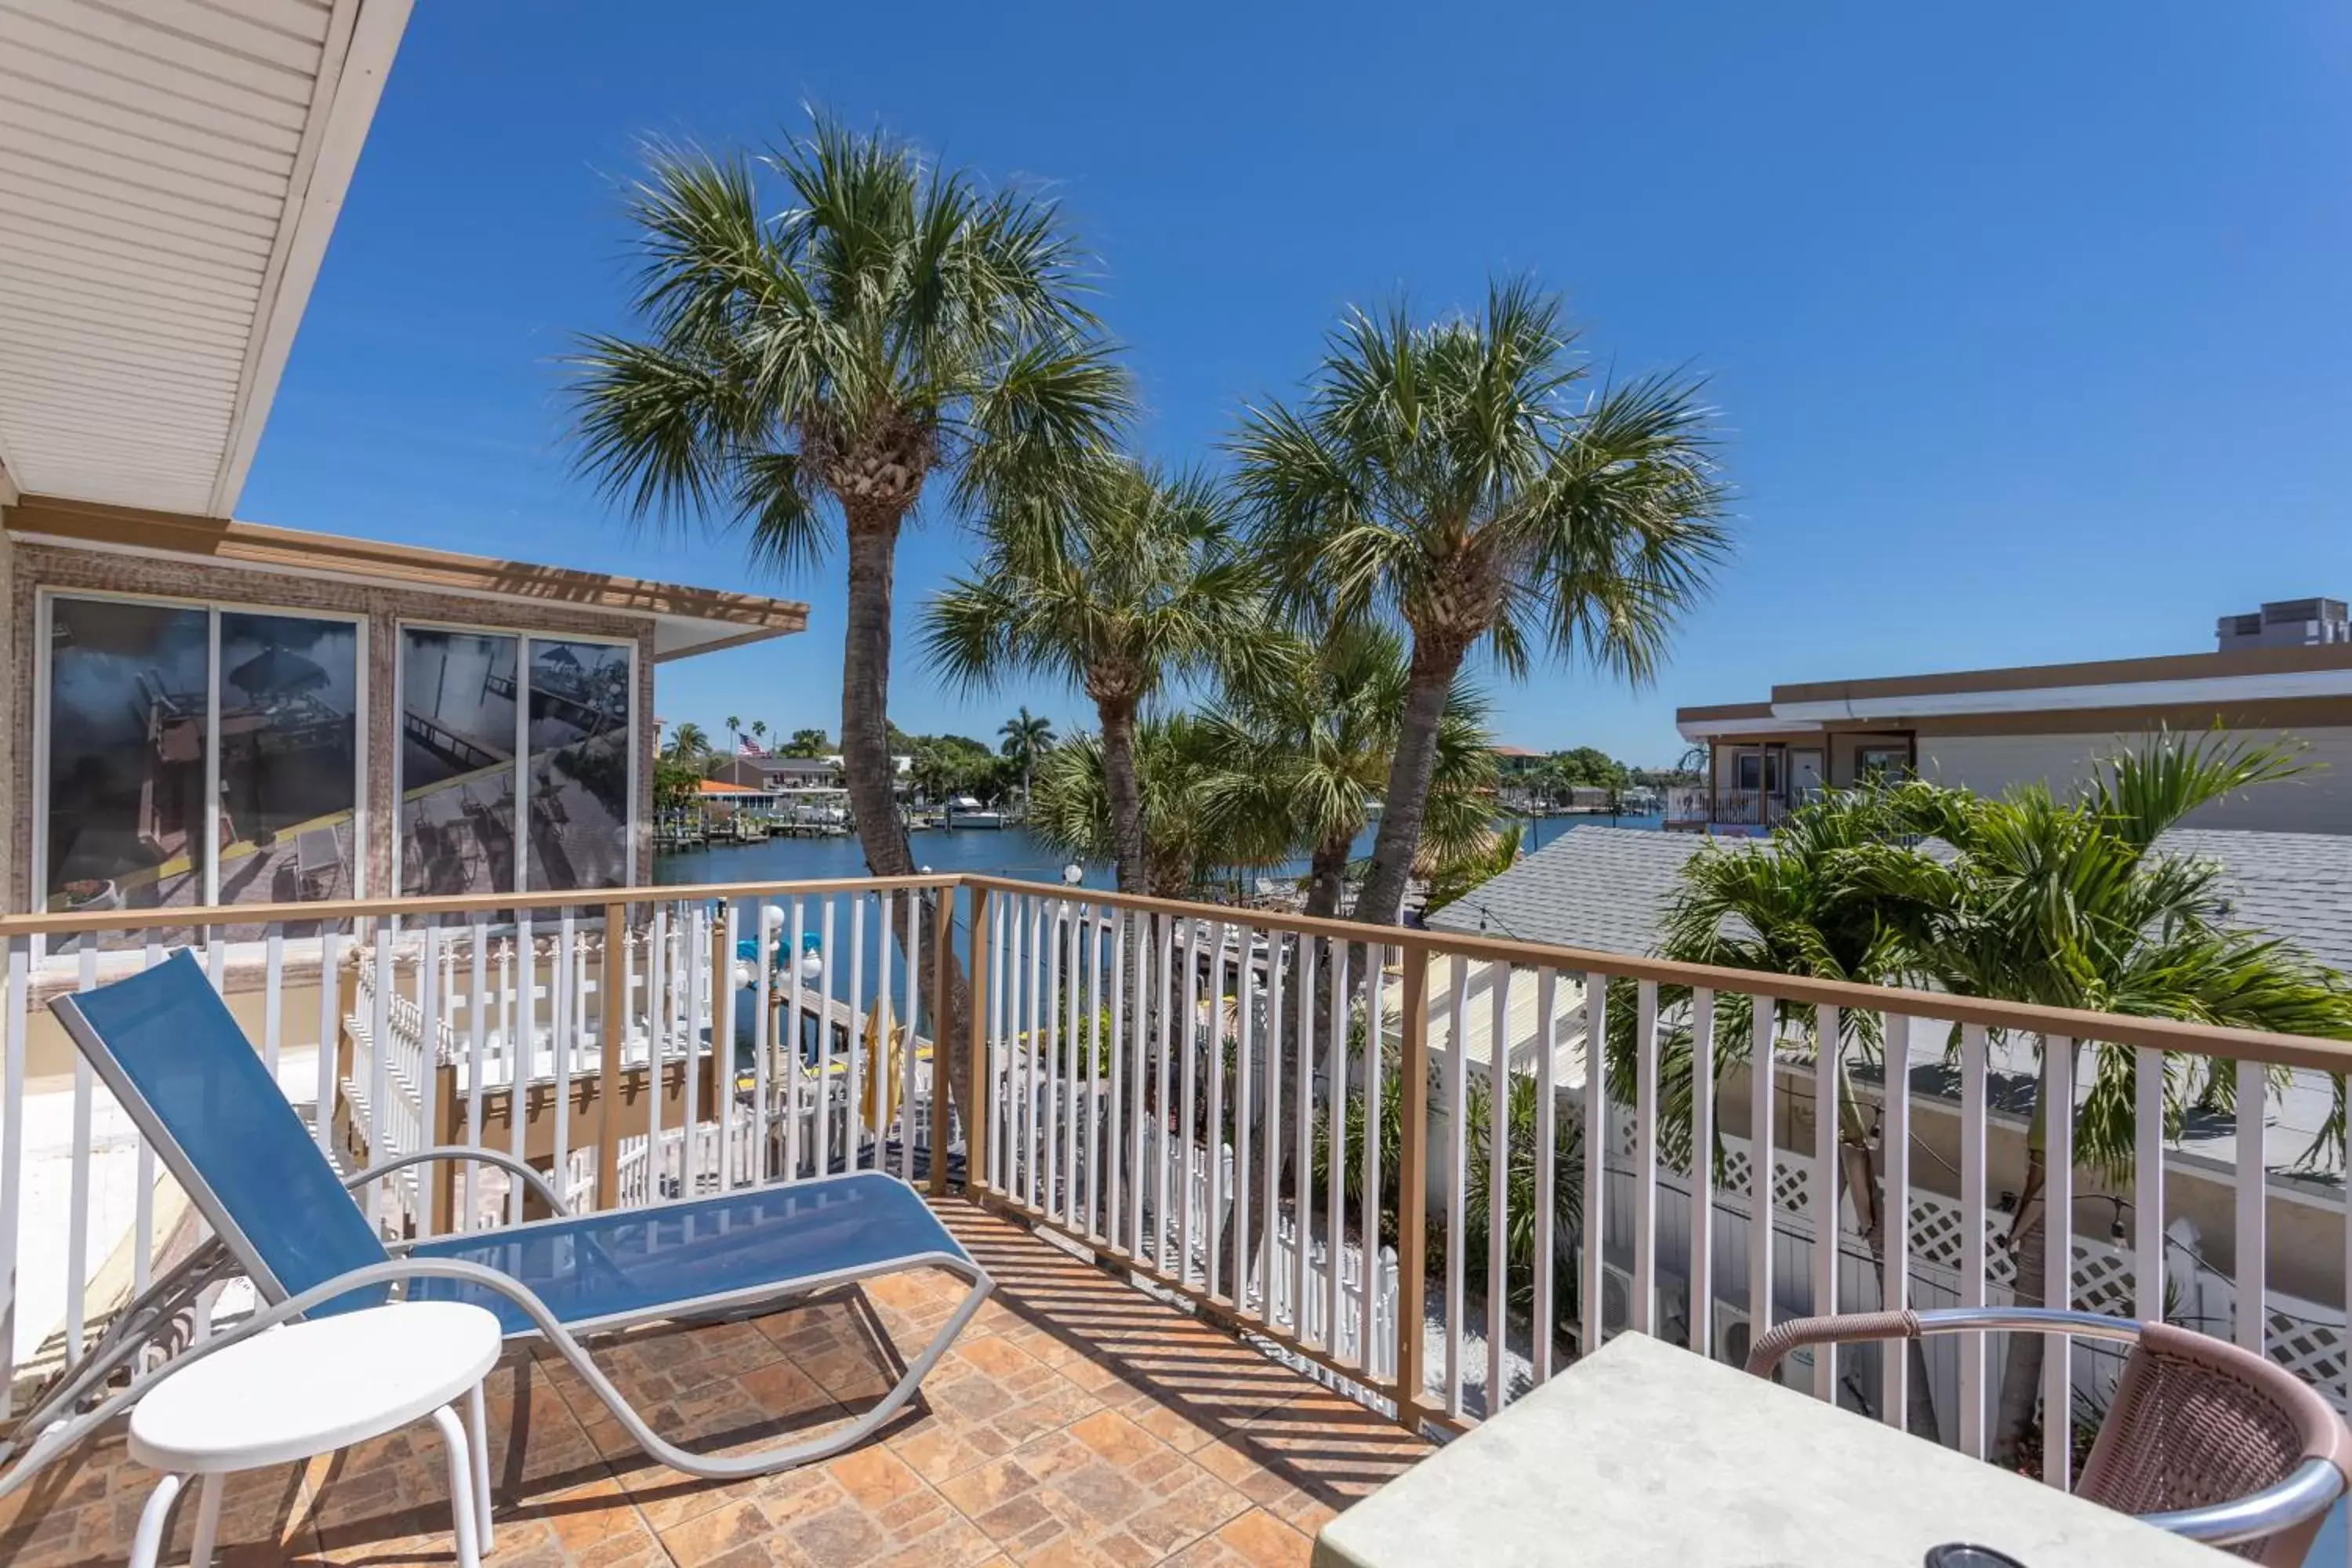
column 1074, row 873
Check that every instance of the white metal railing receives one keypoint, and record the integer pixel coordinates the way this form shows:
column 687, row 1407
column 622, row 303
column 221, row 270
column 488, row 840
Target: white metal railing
column 1122, row 1041
column 1316, row 1130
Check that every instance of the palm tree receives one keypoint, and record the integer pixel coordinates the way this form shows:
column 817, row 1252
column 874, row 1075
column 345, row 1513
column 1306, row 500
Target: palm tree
column 1438, row 476
column 1027, row 737
column 689, row 743
column 734, row 735
column 1307, row 748
column 826, row 327
column 760, row 734
column 2073, row 903
column 1176, row 759
column 1119, row 584
column 1790, row 909
column 808, row 744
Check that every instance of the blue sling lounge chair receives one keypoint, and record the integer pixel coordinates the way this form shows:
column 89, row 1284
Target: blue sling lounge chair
column 168, row 1047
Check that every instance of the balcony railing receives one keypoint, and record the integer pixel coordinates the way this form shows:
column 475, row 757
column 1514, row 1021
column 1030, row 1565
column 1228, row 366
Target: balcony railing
column 1364, row 1148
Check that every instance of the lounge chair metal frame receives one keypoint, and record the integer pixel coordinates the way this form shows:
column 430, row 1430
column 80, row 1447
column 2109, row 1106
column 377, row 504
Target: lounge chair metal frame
column 55, row 1426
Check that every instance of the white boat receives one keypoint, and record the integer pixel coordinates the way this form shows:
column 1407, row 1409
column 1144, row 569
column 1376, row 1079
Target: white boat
column 963, row 811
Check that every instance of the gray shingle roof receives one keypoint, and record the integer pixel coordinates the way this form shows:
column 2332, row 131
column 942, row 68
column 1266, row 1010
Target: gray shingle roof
column 1592, row 886
column 1603, row 887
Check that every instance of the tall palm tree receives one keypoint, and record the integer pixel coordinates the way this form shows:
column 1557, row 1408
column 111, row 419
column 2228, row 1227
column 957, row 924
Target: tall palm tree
column 760, row 734
column 1440, row 476
column 734, row 735
column 1307, row 748
column 1027, row 737
column 688, row 742
column 2073, row 902
column 825, row 328
column 1121, row 584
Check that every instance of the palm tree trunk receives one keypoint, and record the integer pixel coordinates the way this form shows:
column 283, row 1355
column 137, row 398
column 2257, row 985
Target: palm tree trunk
column 870, row 778
column 1126, row 794
column 1328, row 876
column 2029, row 1245
column 1862, row 1180
column 1430, row 682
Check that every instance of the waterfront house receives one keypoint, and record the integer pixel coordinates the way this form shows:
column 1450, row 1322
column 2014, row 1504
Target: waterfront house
column 2284, row 671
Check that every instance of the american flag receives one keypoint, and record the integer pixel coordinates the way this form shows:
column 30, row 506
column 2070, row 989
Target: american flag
column 750, row 748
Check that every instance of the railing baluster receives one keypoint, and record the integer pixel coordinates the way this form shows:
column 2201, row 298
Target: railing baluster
column 1279, row 962
column 1164, row 949
column 1457, row 1177
column 1542, row 1322
column 522, row 1054
column 1212, row 1270
column 1972, row 1235
column 2252, row 1193
column 78, row 1191
column 1642, row 1311
column 657, row 1035
column 794, row 1034
column 999, row 1084
column 909, row 986
column 1700, row 1313
column 142, row 1200
column 1236, row 1235
column 1594, row 1242
column 722, row 1037
column 1367, row 1224
column 763, row 1034
column 476, row 1049
column 1335, row 1111
column 427, row 1088
column 824, row 1061
column 2148, row 1186
column 1499, row 1181
column 1762, row 1018
column 564, row 1026
column 1098, row 1222
column 1829, row 1053
column 1031, row 988
column 1061, row 1064
column 13, row 1163
column 1894, row 1178
column 1302, row 1206
column 329, row 1010
column 1123, row 1191
column 379, row 1052
column 863, row 1010
column 696, row 961
column 273, row 996
column 2058, row 1264
column 1188, row 1136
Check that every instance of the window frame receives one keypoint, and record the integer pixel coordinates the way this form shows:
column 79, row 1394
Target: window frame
column 520, row 869
column 45, row 600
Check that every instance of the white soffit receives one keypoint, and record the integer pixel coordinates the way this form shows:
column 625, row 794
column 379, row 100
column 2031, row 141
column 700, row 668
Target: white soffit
column 170, row 172
column 2194, row 690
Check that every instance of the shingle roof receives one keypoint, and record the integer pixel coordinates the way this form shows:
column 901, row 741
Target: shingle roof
column 1592, row 886
column 1603, row 887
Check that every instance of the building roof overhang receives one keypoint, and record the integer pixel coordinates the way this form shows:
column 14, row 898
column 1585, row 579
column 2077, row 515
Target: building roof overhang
column 169, row 177
column 687, row 620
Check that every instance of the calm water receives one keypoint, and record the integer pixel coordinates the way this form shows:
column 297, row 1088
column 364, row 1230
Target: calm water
column 1006, row 852
column 1002, row 852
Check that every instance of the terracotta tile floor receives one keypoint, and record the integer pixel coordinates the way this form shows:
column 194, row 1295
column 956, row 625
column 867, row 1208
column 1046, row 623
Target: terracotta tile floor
column 1076, row 1421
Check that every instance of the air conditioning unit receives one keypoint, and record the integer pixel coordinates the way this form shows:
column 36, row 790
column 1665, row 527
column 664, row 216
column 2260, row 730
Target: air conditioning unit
column 1732, row 1336
column 1669, row 1305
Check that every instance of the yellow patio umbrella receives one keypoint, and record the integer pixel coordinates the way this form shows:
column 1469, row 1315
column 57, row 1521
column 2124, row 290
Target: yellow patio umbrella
column 883, row 1069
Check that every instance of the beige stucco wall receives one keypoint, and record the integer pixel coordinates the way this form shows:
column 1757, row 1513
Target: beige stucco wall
column 2320, row 801
column 39, row 566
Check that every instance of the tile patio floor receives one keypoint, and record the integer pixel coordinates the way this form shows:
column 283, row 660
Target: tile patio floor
column 1075, row 1422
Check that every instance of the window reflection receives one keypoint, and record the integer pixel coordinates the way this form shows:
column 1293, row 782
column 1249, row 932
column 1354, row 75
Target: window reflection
column 456, row 753
column 288, row 706
column 126, row 750
column 579, row 764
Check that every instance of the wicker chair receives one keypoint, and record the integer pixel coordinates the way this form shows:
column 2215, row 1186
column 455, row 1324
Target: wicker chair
column 2203, row 1439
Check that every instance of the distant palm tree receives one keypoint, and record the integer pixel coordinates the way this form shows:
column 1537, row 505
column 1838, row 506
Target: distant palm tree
column 734, row 735
column 825, row 329
column 1120, row 584
column 807, row 743
column 689, row 742
column 1439, row 476
column 1307, row 753
column 1175, row 758
column 1027, row 737
column 760, row 734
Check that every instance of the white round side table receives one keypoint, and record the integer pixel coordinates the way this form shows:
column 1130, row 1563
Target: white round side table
column 311, row 1388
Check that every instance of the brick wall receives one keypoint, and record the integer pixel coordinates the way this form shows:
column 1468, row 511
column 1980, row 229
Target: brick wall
column 39, row 566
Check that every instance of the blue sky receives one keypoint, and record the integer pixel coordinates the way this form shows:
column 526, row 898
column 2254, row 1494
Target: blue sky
column 2030, row 325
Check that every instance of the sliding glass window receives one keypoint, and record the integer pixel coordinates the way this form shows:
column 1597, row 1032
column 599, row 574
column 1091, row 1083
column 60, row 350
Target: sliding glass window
column 490, row 720
column 197, row 755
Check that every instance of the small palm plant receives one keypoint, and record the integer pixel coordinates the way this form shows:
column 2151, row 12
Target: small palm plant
column 1121, row 582
column 1441, row 477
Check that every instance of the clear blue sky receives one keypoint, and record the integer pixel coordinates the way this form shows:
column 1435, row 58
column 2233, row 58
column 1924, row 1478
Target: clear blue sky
column 2032, row 325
